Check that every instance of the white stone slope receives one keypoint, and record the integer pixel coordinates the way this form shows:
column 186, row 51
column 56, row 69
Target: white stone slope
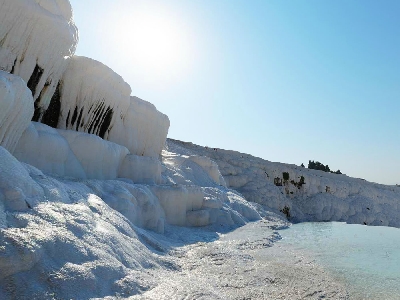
column 66, row 242
column 81, row 155
column 16, row 109
column 322, row 197
column 244, row 264
column 36, row 38
column 94, row 99
column 187, row 202
column 142, row 129
column 81, row 239
column 43, row 147
column 37, row 43
column 76, row 201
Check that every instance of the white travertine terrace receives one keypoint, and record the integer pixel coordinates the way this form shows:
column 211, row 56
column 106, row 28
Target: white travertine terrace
column 93, row 97
column 99, row 158
column 84, row 203
column 16, row 109
column 36, row 38
column 321, row 197
column 142, row 129
column 44, row 148
column 96, row 100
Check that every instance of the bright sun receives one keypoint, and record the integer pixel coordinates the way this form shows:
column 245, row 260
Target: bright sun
column 156, row 42
column 153, row 40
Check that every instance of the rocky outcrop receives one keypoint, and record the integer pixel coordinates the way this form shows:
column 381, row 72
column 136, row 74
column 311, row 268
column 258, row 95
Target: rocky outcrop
column 44, row 148
column 93, row 97
column 16, row 109
column 37, row 43
column 96, row 100
column 36, row 39
column 142, row 129
column 302, row 194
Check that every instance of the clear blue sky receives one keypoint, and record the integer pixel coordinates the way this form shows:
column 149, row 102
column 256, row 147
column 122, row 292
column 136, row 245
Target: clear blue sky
column 287, row 81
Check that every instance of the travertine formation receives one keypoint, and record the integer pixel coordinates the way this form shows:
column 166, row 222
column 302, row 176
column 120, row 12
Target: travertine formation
column 36, row 40
column 302, row 194
column 87, row 185
column 37, row 43
column 89, row 126
column 16, row 109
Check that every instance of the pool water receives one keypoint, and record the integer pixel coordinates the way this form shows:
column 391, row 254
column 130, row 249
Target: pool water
column 366, row 258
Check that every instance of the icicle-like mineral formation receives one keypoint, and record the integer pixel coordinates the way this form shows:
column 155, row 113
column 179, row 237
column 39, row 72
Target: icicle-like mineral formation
column 36, row 38
column 96, row 100
column 16, row 109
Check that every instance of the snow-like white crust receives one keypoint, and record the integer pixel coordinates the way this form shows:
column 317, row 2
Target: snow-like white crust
column 16, row 109
column 96, row 100
column 142, row 128
column 37, row 43
column 44, row 148
column 36, row 37
column 141, row 169
column 178, row 200
column 18, row 190
column 91, row 91
column 47, row 149
column 99, row 158
column 77, row 238
column 57, row 7
column 322, row 197
column 191, row 170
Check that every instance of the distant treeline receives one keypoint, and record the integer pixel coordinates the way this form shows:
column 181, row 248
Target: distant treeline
column 316, row 165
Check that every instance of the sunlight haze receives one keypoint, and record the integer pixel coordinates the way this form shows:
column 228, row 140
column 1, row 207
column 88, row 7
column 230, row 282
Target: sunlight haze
column 288, row 81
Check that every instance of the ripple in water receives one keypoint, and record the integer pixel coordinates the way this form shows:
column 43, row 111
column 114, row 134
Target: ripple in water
column 367, row 258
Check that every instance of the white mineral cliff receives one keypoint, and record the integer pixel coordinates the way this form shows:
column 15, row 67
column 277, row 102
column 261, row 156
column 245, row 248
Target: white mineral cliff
column 91, row 195
column 16, row 109
column 36, row 38
column 308, row 195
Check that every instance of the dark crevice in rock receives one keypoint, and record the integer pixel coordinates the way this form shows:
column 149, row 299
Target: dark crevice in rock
column 96, row 121
column 74, row 116
column 52, row 113
column 93, row 120
column 37, row 113
column 90, row 109
column 100, row 119
column 106, row 122
column 67, row 121
column 12, row 69
column 79, row 119
column 2, row 40
column 35, row 78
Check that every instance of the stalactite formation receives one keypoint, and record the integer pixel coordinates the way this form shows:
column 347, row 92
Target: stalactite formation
column 52, row 114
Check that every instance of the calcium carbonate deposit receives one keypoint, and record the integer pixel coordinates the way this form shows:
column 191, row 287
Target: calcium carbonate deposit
column 95, row 202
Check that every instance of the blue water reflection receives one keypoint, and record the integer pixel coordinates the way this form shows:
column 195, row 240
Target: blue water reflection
column 367, row 258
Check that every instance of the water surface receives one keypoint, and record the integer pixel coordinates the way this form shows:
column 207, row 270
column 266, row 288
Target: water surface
column 367, row 258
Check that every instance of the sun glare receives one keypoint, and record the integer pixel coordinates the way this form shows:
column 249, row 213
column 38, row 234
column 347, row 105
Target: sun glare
column 153, row 42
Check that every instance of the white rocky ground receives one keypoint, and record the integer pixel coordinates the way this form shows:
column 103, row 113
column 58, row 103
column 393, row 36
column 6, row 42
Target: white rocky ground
column 321, row 197
column 64, row 238
column 91, row 206
column 243, row 264
column 86, row 249
column 37, row 37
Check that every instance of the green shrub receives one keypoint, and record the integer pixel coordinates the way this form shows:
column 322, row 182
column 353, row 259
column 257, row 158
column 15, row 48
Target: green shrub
column 286, row 211
column 318, row 166
column 285, row 176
